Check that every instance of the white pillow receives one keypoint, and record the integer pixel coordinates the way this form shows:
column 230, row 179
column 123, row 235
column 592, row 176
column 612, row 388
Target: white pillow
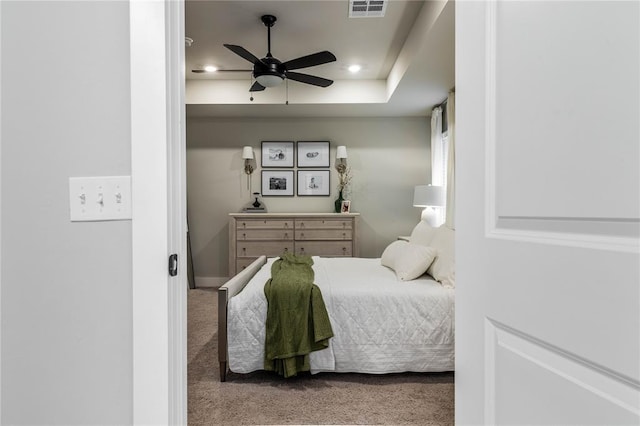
column 422, row 234
column 443, row 267
column 409, row 261
column 391, row 253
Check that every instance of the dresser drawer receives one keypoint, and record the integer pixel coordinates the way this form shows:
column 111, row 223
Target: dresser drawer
column 323, row 234
column 325, row 248
column 265, row 234
column 273, row 234
column 267, row 248
column 264, row 224
column 324, row 224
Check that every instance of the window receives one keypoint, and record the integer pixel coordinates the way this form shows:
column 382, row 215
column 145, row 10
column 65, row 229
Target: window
column 440, row 153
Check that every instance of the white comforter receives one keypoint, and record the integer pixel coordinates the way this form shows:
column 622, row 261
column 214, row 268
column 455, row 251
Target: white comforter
column 380, row 324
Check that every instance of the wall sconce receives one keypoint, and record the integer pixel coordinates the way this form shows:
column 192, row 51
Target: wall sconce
column 247, row 155
column 429, row 196
column 341, row 159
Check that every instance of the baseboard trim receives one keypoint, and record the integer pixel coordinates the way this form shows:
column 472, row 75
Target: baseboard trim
column 210, row 282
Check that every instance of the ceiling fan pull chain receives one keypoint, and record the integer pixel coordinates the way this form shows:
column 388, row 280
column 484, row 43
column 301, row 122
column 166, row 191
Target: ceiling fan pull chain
column 250, row 85
column 286, row 82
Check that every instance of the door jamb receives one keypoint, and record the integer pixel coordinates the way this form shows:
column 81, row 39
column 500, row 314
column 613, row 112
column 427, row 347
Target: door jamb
column 158, row 191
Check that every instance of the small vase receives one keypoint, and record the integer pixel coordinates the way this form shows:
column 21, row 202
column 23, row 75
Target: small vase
column 338, row 203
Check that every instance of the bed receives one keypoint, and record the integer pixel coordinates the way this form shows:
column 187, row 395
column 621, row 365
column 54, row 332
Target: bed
column 390, row 314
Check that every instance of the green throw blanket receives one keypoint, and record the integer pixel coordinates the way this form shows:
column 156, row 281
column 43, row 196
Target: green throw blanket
column 297, row 319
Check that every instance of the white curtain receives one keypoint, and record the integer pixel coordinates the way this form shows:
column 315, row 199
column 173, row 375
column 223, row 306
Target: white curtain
column 438, row 171
column 437, row 167
column 451, row 182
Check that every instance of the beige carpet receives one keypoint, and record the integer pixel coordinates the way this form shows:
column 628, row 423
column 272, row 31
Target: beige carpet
column 326, row 398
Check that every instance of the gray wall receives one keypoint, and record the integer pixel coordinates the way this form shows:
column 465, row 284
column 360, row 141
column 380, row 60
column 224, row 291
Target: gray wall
column 66, row 287
column 388, row 157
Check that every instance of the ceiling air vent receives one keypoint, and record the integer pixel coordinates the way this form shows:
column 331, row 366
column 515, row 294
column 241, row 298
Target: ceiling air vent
column 367, row 8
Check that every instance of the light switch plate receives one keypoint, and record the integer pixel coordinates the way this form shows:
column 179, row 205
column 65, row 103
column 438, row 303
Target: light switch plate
column 100, row 198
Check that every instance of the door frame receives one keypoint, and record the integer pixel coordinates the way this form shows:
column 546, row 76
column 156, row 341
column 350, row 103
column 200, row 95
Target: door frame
column 158, row 151
column 0, row 223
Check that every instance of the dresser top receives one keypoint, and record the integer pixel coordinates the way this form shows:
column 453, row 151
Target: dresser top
column 294, row 214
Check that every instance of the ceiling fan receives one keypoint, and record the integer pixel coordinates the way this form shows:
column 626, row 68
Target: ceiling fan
column 270, row 72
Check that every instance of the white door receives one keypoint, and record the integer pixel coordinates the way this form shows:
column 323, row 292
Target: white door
column 548, row 212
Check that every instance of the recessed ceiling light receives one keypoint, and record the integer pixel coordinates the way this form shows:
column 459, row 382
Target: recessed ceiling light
column 210, row 68
column 354, row 68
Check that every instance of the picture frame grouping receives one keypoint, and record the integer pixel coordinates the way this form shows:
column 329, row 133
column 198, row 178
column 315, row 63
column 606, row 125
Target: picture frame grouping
column 310, row 158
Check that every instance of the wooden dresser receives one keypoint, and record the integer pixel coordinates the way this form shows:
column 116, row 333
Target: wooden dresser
column 271, row 234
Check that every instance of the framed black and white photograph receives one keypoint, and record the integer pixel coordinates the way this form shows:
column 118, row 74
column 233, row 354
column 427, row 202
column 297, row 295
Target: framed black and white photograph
column 277, row 183
column 277, row 154
column 313, row 182
column 313, row 154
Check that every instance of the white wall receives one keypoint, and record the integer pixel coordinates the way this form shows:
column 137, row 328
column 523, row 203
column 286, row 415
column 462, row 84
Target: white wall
column 66, row 287
column 388, row 157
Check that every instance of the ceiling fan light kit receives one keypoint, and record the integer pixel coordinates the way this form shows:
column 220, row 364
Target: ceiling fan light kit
column 268, row 80
column 271, row 72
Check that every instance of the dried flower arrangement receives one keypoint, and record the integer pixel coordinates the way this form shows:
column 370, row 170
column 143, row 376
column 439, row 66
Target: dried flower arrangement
column 344, row 179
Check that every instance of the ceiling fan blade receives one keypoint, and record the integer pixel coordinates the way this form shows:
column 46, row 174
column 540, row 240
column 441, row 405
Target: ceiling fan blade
column 310, row 60
column 242, row 52
column 257, row 87
column 198, row 71
column 309, row 79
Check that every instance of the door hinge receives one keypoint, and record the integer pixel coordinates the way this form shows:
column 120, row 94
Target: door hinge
column 173, row 265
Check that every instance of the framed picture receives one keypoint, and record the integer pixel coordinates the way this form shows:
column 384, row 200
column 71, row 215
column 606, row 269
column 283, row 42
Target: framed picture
column 313, row 182
column 313, row 154
column 346, row 206
column 277, row 183
column 277, row 154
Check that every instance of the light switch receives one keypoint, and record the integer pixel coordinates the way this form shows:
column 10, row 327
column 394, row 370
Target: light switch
column 100, row 198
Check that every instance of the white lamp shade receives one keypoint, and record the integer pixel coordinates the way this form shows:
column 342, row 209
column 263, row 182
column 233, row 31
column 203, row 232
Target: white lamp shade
column 247, row 153
column 341, row 152
column 428, row 196
column 268, row 80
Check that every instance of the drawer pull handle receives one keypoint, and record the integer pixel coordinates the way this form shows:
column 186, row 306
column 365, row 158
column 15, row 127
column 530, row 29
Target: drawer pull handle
column 244, row 225
column 302, row 235
column 302, row 250
column 244, row 250
column 286, row 224
column 344, row 235
column 301, row 224
column 344, row 250
column 286, row 249
column 244, row 235
column 286, row 235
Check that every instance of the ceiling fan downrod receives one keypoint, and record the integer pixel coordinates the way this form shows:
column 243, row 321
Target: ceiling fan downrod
column 268, row 21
